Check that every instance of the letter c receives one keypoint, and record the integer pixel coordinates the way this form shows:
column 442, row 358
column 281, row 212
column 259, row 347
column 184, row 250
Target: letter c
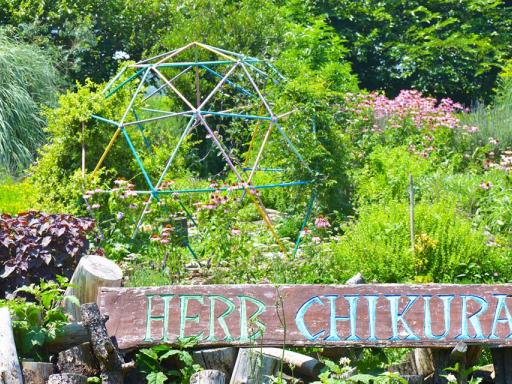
column 299, row 319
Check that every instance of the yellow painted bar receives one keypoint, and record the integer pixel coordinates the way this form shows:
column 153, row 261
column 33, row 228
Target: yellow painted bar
column 215, row 51
column 107, row 150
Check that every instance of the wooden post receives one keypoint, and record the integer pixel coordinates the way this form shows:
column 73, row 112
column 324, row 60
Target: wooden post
column 67, row 378
column 411, row 211
column 36, row 372
column 79, row 359
column 91, row 273
column 10, row 371
column 220, row 359
column 209, row 376
column 108, row 356
column 253, row 367
column 501, row 358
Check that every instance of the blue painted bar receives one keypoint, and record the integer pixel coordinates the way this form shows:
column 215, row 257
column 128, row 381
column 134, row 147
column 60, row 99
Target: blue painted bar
column 236, row 115
column 208, row 190
column 139, row 161
column 96, row 117
column 124, row 82
column 240, row 88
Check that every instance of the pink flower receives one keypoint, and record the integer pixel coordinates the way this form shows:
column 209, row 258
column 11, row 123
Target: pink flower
column 119, row 215
column 235, row 231
column 165, row 241
column 316, row 239
column 306, row 231
column 322, row 223
column 486, row 185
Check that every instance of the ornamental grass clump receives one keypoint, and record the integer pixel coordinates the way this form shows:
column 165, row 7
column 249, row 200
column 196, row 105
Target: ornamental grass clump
column 27, row 81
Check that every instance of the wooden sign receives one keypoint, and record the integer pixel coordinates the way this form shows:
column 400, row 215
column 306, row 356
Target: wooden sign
column 315, row 315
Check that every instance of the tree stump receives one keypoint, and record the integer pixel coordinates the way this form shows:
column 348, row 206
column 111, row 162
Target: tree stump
column 35, row 372
column 220, row 359
column 106, row 352
column 67, row 378
column 10, row 370
column 79, row 359
column 253, row 367
column 91, row 273
column 209, row 376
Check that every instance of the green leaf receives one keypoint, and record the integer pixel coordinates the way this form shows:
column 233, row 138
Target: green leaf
column 172, row 352
column 156, row 378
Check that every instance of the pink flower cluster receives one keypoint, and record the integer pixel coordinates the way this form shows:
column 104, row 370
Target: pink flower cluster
column 165, row 236
column 424, row 112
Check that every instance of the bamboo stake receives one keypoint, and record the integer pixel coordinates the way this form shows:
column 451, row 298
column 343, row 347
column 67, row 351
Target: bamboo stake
column 83, row 150
column 411, row 211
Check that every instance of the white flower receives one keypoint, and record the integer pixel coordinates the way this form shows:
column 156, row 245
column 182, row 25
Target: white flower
column 345, row 361
column 120, row 55
column 451, row 378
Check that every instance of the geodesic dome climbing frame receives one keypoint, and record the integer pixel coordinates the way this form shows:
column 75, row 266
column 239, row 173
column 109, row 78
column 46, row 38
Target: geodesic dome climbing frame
column 229, row 73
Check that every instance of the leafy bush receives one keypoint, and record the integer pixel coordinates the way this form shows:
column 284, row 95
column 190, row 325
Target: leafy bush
column 15, row 196
column 447, row 247
column 40, row 320
column 161, row 362
column 27, row 80
column 36, row 246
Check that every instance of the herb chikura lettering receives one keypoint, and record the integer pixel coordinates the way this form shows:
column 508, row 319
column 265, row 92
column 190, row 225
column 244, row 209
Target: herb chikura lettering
column 330, row 305
column 300, row 315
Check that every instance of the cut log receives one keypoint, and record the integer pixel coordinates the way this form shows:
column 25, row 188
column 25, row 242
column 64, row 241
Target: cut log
column 501, row 358
column 91, row 273
column 220, row 359
column 253, row 367
column 10, row 370
column 422, row 361
column 209, row 376
column 79, row 359
column 35, row 372
column 67, row 378
column 303, row 365
column 72, row 334
column 106, row 352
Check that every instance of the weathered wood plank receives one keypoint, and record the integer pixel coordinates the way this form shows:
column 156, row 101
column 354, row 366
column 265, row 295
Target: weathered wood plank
column 375, row 315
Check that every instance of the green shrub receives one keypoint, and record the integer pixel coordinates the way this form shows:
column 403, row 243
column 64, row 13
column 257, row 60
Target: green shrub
column 447, row 246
